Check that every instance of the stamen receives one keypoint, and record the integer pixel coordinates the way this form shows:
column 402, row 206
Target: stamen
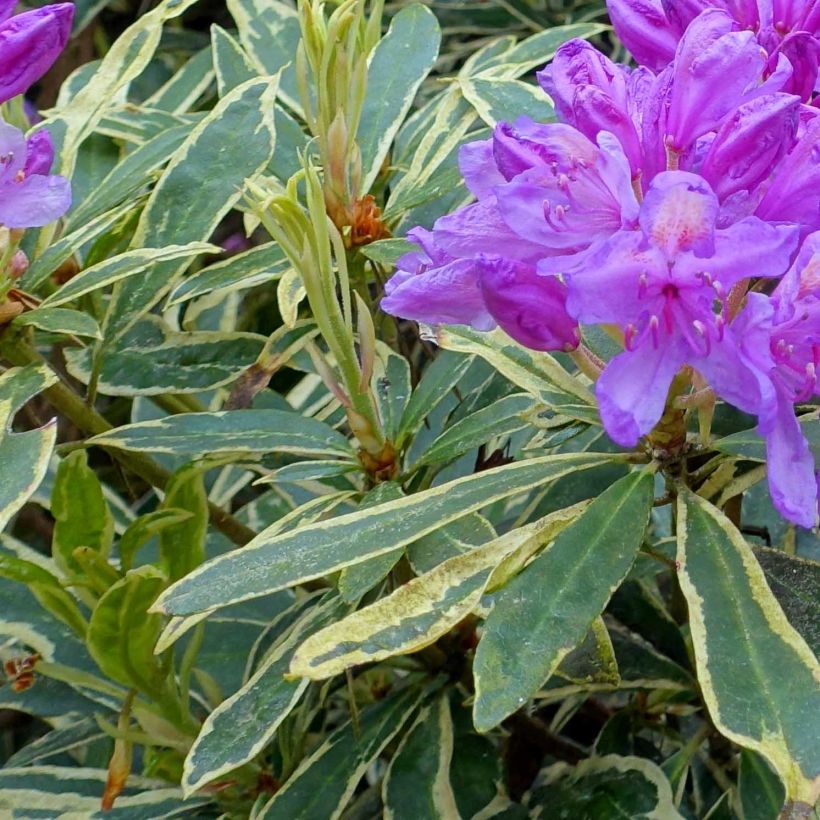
column 630, row 332
column 720, row 326
column 654, row 327
column 700, row 329
column 643, row 284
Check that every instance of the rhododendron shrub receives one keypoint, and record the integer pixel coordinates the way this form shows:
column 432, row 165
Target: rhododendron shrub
column 410, row 413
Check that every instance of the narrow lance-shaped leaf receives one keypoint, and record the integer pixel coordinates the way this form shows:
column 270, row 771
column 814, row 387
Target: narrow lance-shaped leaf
column 182, row 545
column 24, row 456
column 121, row 267
column 759, row 679
column 543, row 613
column 399, row 64
column 270, row 563
column 81, row 513
column 202, row 182
column 536, row 372
column 243, row 724
column 321, row 787
column 624, row 787
column 417, row 784
column 422, row 610
column 230, row 431
column 121, row 633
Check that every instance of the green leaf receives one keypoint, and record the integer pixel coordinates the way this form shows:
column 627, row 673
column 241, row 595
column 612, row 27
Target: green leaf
column 151, row 359
column 51, row 791
column 537, row 372
column 272, row 562
column 185, row 86
column 269, row 32
column 122, row 634
column 231, row 64
column 67, row 246
column 750, row 445
column 58, row 320
column 198, row 187
column 760, row 681
column 143, row 529
column 438, row 380
column 46, row 588
column 257, row 266
column 422, row 610
column 182, row 545
column 456, row 538
column 387, row 251
column 356, row 580
column 121, row 267
column 593, row 660
column 391, row 387
column 81, row 513
column 795, row 583
column 535, row 51
column 398, row 66
column 760, row 792
column 499, row 419
column 57, row 742
column 250, row 432
column 417, row 784
column 128, row 176
column 544, row 612
column 502, row 100
column 24, row 456
column 241, row 726
column 603, row 787
column 323, row 784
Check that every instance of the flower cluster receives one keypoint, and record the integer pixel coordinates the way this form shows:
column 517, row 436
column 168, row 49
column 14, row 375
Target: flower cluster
column 678, row 202
column 30, row 42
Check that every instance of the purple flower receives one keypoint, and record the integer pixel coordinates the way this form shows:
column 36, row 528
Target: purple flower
column 793, row 194
column 660, row 284
column 750, row 143
column 433, row 287
column 645, row 30
column 651, row 29
column 483, row 290
column 715, row 70
column 578, row 195
column 781, row 339
column 28, row 197
column 593, row 94
column 29, row 44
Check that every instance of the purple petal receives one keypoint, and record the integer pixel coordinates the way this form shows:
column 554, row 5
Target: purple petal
column 34, row 202
column 39, row 153
column 530, row 308
column 7, row 8
column 750, row 143
column 633, row 388
column 449, row 294
column 479, row 227
column 679, row 214
column 477, row 166
column 714, row 69
column 790, row 465
column 29, row 45
column 750, row 247
column 794, row 193
column 12, row 152
column 645, row 30
column 606, row 288
column 525, row 145
column 803, row 53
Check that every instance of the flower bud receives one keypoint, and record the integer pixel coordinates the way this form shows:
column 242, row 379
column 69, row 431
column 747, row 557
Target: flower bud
column 29, row 44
